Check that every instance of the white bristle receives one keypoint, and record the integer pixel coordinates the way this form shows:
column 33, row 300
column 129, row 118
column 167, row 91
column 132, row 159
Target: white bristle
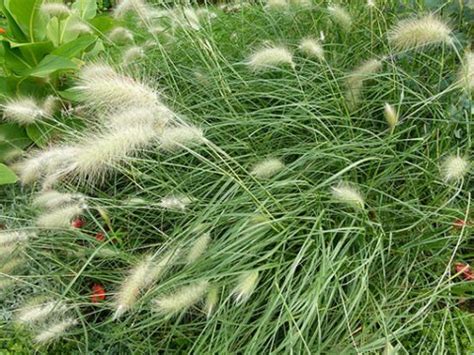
column 245, row 286
column 340, row 16
column 391, row 115
column 182, row 299
column 175, row 138
column 39, row 312
column 349, row 195
column 54, row 9
column 312, row 48
column 54, row 331
column 13, row 237
column 177, row 202
column 23, row 111
column 267, row 168
column 466, row 73
column 198, row 248
column 212, row 299
column 271, row 57
column 60, row 218
column 53, row 199
column 132, row 54
column 415, row 33
column 356, row 79
column 454, row 168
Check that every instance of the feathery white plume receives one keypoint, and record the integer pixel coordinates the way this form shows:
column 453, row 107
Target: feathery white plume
column 140, row 278
column 277, row 4
column 311, row 47
column 198, row 248
column 340, row 16
column 182, row 299
column 44, row 162
column 22, row 111
column 270, row 57
column 120, row 35
column 11, row 265
column 50, row 105
column 212, row 299
column 59, row 218
column 454, row 168
column 190, row 18
column 246, row 284
column 175, row 138
column 356, row 79
column 55, row 9
column 139, row 7
column 80, row 27
column 178, row 202
column 132, row 54
column 391, row 116
column 267, row 168
column 53, row 199
column 466, row 73
column 371, row 3
column 103, row 87
column 55, row 331
column 13, row 237
column 415, row 33
column 39, row 312
column 349, row 195
column 99, row 153
column 154, row 117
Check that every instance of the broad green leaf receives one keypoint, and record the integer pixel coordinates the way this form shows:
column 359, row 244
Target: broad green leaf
column 98, row 48
column 87, row 8
column 7, row 176
column 27, row 16
column 14, row 60
column 76, row 47
column 13, row 29
column 51, row 64
column 103, row 23
column 67, row 32
column 70, row 94
column 33, row 52
column 13, row 135
column 53, row 31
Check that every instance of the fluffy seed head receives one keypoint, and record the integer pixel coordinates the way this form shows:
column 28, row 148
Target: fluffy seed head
column 23, row 111
column 50, row 105
column 154, row 117
column 267, row 168
column 277, row 4
column 80, row 27
column 111, row 90
column 212, row 299
column 198, row 248
column 132, row 54
column 371, row 3
column 139, row 279
column 175, row 138
column 312, row 48
column 178, row 202
column 139, row 7
column 340, row 16
column 99, row 153
column 356, row 79
column 55, row 9
column 59, row 218
column 349, row 195
column 54, row 199
column 8, row 238
column 271, row 57
column 11, row 265
column 55, row 331
column 39, row 312
column 120, row 35
column 454, row 168
column 391, row 115
column 466, row 73
column 182, row 299
column 245, row 286
column 415, row 33
column 42, row 163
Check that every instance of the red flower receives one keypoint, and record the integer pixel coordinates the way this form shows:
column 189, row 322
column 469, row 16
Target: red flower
column 2, row 31
column 100, row 237
column 465, row 271
column 98, row 293
column 78, row 223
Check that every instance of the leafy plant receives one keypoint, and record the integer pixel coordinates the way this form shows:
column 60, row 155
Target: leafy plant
column 38, row 48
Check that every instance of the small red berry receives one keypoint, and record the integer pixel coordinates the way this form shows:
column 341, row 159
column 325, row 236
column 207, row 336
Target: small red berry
column 100, row 236
column 459, row 223
column 78, row 223
column 2, row 31
column 465, row 271
column 98, row 293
